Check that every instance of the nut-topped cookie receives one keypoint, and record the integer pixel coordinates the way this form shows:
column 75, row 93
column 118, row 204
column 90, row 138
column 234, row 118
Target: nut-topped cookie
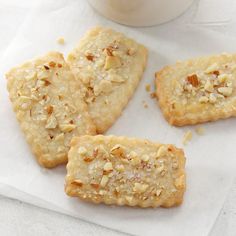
column 125, row 171
column 198, row 90
column 110, row 66
column 49, row 106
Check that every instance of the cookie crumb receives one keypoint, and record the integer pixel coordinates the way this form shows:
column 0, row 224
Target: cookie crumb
column 61, row 40
column 145, row 105
column 200, row 130
column 153, row 95
column 148, row 87
column 187, row 137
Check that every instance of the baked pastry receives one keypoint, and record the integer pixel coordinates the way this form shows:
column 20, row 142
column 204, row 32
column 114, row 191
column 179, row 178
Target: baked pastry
column 198, row 90
column 125, row 171
column 110, row 66
column 49, row 107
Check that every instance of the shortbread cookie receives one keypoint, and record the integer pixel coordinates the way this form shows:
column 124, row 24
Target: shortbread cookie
column 198, row 90
column 48, row 104
column 125, row 171
column 110, row 66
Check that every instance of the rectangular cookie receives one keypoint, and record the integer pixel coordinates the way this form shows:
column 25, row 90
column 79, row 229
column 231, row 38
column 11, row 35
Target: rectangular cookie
column 110, row 66
column 198, row 90
column 125, row 171
column 49, row 107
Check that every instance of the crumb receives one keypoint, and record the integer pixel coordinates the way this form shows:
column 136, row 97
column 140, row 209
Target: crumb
column 61, row 40
column 145, row 105
column 200, row 130
column 148, row 87
column 187, row 137
column 153, row 95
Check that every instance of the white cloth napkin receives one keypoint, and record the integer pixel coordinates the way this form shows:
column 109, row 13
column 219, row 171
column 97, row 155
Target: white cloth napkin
column 210, row 158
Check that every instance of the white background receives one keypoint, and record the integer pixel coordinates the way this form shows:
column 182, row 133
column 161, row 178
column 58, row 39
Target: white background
column 18, row 218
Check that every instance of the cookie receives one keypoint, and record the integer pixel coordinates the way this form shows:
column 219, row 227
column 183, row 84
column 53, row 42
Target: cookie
column 125, row 171
column 198, row 90
column 110, row 66
column 49, row 107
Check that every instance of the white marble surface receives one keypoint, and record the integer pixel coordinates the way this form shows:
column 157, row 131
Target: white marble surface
column 17, row 218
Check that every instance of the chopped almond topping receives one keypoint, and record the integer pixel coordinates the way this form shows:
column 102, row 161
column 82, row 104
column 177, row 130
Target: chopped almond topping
column 52, row 64
column 77, row 182
column 49, row 109
column 90, row 57
column 193, row 80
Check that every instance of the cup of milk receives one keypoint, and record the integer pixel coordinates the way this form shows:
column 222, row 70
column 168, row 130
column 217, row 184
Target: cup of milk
column 140, row 12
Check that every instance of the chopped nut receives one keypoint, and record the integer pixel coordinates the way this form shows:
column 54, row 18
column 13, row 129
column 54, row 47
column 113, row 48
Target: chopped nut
column 223, row 78
column 94, row 185
column 158, row 192
column 179, row 182
column 193, row 80
column 203, row 99
column 211, row 68
column 117, row 151
column 135, row 161
column 140, row 188
column 161, row 151
column 88, row 159
column 216, row 73
column 60, row 137
column 187, row 137
column 90, row 56
column 145, row 158
column 42, row 74
column 49, row 109
column 226, row 91
column 52, row 64
column 120, row 168
column 153, row 95
column 51, row 122
column 200, row 130
column 61, row 40
column 131, row 51
column 208, row 86
column 108, row 167
column 212, row 98
column 112, row 62
column 67, row 127
column 129, row 199
column 116, row 78
column 104, row 180
column 108, row 51
column 77, row 182
column 148, row 87
column 104, row 86
column 82, row 150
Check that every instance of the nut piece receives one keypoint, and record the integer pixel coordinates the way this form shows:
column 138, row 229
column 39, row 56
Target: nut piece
column 67, row 127
column 212, row 98
column 117, row 151
column 51, row 122
column 211, row 68
column 193, row 80
column 203, row 99
column 161, row 151
column 140, row 188
column 187, row 137
column 82, row 150
column 208, row 86
column 116, row 78
column 112, row 62
column 179, row 182
column 104, row 180
column 77, row 182
column 145, row 158
column 108, row 167
column 120, row 168
column 104, row 86
column 158, row 192
column 226, row 91
column 223, row 78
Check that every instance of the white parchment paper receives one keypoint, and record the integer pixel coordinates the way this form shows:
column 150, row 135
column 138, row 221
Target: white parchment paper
column 211, row 158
